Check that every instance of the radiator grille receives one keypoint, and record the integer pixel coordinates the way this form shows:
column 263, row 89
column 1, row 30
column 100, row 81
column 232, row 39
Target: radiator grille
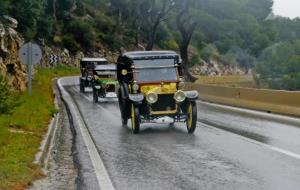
column 165, row 102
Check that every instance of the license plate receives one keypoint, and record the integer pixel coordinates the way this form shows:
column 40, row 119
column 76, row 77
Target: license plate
column 111, row 95
column 164, row 120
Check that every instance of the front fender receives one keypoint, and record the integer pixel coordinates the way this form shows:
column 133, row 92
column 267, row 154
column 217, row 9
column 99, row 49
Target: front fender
column 136, row 98
column 191, row 95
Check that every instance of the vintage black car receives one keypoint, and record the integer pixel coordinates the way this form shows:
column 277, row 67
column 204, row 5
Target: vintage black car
column 151, row 88
column 87, row 66
column 104, row 82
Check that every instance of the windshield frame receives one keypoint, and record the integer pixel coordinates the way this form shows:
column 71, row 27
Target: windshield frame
column 135, row 70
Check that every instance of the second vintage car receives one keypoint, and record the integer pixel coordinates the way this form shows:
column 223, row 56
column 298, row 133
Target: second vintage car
column 104, row 82
column 87, row 66
column 151, row 88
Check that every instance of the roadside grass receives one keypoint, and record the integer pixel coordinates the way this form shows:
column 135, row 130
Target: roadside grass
column 22, row 131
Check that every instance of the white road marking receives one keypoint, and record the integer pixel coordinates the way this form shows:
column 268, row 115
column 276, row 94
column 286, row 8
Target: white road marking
column 102, row 176
column 100, row 170
column 267, row 146
column 294, row 121
column 91, row 100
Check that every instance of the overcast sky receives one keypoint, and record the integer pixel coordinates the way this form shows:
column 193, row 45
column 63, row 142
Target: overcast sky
column 288, row 8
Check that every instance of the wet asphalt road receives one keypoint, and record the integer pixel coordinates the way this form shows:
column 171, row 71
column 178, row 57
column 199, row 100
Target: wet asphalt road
column 224, row 156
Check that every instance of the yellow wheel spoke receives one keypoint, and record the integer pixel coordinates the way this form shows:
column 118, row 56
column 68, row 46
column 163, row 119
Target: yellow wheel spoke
column 190, row 116
column 132, row 117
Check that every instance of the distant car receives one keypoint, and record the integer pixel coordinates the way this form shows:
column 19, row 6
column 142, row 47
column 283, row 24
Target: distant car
column 104, row 82
column 151, row 89
column 87, row 66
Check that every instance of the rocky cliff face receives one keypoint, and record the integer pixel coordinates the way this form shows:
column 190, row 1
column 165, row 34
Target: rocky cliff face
column 15, row 72
column 215, row 68
column 66, row 58
column 10, row 42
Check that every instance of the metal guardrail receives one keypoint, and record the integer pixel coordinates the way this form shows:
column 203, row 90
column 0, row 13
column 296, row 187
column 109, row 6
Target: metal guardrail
column 275, row 101
column 232, row 80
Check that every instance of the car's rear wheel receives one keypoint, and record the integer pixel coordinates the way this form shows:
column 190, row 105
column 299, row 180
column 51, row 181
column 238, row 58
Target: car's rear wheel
column 96, row 95
column 81, row 86
column 122, row 108
column 191, row 122
column 135, row 119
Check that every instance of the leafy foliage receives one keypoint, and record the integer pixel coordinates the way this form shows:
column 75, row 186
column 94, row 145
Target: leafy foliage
column 231, row 30
column 279, row 66
column 8, row 100
column 82, row 32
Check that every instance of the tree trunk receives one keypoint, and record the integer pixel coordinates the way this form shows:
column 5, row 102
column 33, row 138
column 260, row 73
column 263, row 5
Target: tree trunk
column 185, row 61
column 54, row 8
column 150, row 43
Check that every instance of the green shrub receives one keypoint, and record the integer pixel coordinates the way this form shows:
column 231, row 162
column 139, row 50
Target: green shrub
column 209, row 52
column 195, row 59
column 170, row 45
column 111, row 41
column 82, row 32
column 70, row 43
column 103, row 23
column 8, row 100
column 45, row 26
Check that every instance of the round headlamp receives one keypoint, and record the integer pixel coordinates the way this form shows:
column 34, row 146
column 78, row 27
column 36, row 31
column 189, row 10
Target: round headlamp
column 135, row 87
column 124, row 72
column 179, row 96
column 152, row 98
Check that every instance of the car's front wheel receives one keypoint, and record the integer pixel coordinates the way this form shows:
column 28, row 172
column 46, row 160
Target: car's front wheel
column 81, row 86
column 135, row 119
column 191, row 122
column 96, row 95
column 122, row 105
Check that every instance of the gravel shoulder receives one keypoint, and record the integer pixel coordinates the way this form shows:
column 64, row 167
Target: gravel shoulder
column 60, row 167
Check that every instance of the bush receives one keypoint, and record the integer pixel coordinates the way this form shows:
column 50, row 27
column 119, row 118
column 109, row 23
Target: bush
column 8, row 100
column 170, row 45
column 45, row 27
column 70, row 43
column 113, row 42
column 195, row 59
column 210, row 52
column 103, row 23
column 82, row 32
column 279, row 66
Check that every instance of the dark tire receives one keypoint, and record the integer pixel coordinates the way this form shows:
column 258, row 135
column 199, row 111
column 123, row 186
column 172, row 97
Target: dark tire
column 135, row 119
column 191, row 122
column 95, row 95
column 124, row 121
column 81, row 84
column 122, row 106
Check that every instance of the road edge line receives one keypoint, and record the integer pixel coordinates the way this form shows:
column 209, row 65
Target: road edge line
column 102, row 176
column 267, row 146
column 284, row 119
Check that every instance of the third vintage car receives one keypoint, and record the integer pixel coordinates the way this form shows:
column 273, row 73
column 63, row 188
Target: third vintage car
column 152, row 89
column 104, row 82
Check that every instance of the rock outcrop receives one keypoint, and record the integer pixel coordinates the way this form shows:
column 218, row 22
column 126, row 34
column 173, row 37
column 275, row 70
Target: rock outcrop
column 10, row 42
column 15, row 72
column 214, row 68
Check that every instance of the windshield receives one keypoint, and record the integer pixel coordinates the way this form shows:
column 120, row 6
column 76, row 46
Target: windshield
column 155, row 70
column 101, row 63
column 106, row 74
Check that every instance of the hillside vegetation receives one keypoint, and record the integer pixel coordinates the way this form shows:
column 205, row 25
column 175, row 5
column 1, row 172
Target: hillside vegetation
column 234, row 32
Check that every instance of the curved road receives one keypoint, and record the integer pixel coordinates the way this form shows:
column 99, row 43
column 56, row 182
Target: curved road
column 229, row 150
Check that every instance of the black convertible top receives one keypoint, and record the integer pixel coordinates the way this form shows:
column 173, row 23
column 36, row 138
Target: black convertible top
column 138, row 55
